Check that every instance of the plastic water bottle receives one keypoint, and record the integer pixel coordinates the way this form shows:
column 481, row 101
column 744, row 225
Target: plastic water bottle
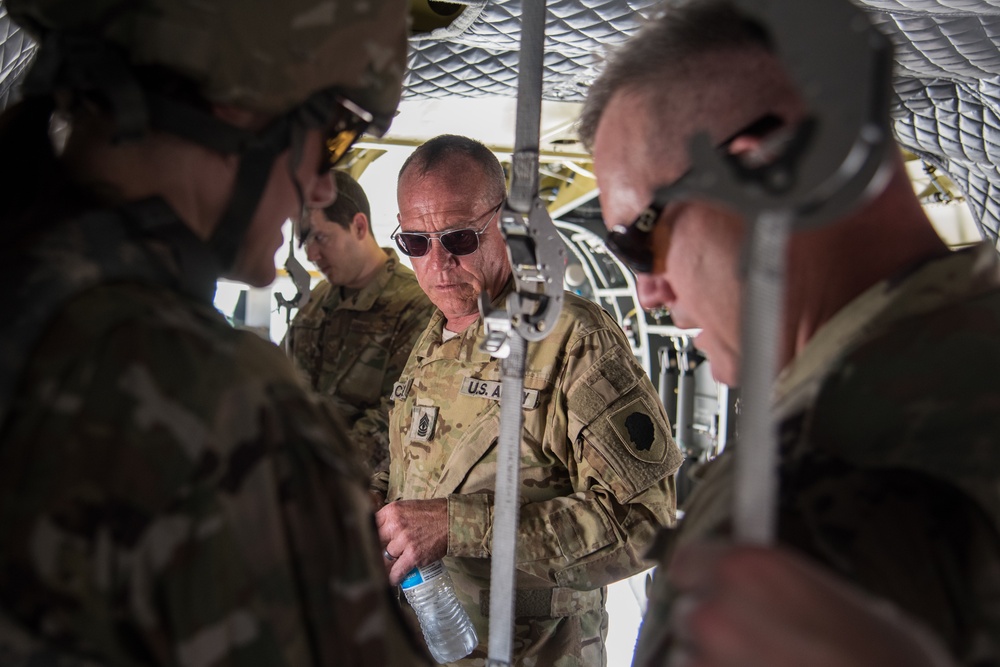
column 447, row 628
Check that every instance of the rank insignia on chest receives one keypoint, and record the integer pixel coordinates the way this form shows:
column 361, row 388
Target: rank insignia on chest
column 491, row 390
column 422, row 422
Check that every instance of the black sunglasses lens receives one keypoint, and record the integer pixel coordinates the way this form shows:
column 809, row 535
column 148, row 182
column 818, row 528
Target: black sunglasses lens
column 635, row 256
column 460, row 242
column 413, row 245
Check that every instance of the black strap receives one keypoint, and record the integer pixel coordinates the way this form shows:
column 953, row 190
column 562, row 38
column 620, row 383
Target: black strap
column 87, row 63
column 199, row 126
column 251, row 179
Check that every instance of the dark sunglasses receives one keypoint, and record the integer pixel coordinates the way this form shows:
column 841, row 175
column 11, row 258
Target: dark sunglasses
column 632, row 243
column 350, row 123
column 458, row 242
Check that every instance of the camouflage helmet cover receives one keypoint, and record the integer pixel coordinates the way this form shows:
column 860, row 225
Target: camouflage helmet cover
column 263, row 55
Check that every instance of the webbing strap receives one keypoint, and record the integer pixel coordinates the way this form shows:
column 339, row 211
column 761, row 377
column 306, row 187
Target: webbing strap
column 525, row 249
column 524, row 181
column 755, row 488
column 506, row 506
column 841, row 163
column 251, row 181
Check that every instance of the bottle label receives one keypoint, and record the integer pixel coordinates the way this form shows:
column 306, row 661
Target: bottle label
column 421, row 575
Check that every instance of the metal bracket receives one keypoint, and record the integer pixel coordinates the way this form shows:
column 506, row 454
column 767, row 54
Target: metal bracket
column 496, row 341
column 831, row 162
column 301, row 280
column 537, row 259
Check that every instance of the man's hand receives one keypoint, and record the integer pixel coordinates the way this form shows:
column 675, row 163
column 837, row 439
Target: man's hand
column 754, row 606
column 413, row 533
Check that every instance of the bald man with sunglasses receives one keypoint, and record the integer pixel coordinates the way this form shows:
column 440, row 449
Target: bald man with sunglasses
column 888, row 515
column 597, row 457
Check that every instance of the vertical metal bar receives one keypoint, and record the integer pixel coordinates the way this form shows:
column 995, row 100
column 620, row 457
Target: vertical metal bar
column 755, row 491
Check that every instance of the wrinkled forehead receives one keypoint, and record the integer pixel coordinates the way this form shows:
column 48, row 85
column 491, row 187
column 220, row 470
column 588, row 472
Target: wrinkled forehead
column 455, row 191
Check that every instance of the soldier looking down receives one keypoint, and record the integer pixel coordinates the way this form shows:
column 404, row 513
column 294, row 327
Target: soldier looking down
column 889, row 497
column 354, row 335
column 597, row 457
column 170, row 492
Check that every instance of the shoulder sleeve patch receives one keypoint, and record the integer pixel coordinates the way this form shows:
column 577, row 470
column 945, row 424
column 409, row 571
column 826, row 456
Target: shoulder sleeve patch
column 643, row 438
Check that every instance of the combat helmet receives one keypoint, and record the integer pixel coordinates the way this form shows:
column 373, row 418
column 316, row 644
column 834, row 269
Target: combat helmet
column 331, row 64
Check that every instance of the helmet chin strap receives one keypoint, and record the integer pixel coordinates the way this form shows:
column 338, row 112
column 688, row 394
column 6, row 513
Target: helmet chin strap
column 87, row 64
column 301, row 226
column 252, row 176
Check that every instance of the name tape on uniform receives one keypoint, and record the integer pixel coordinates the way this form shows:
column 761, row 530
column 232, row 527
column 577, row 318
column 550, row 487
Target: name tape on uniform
column 401, row 389
column 492, row 391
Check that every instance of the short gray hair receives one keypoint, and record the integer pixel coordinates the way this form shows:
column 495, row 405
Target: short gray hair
column 677, row 33
column 439, row 150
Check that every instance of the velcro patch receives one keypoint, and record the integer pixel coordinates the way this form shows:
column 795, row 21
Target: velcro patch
column 640, row 433
column 492, row 391
column 401, row 389
column 422, row 423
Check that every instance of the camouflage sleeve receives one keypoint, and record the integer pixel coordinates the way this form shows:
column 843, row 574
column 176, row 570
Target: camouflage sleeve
column 371, row 428
column 194, row 507
column 900, row 535
column 18, row 647
column 370, row 433
column 290, row 343
column 380, row 482
column 907, row 537
column 611, row 431
column 412, row 323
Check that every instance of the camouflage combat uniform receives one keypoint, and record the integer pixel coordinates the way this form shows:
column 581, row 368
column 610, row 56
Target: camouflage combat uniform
column 170, row 492
column 597, row 464
column 353, row 349
column 890, row 422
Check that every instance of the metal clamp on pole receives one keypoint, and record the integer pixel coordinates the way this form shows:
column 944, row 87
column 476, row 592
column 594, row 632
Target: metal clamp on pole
column 536, row 255
column 824, row 167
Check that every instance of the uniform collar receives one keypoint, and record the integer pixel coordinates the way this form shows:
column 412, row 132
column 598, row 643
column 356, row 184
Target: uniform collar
column 364, row 298
column 465, row 346
column 957, row 276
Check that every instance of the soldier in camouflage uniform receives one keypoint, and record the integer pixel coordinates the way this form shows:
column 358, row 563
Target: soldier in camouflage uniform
column 597, row 457
column 353, row 336
column 889, row 472
column 170, row 491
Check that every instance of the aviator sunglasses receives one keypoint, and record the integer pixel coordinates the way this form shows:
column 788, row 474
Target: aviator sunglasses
column 632, row 243
column 458, row 242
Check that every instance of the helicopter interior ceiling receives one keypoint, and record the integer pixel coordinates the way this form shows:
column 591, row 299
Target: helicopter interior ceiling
column 946, row 107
